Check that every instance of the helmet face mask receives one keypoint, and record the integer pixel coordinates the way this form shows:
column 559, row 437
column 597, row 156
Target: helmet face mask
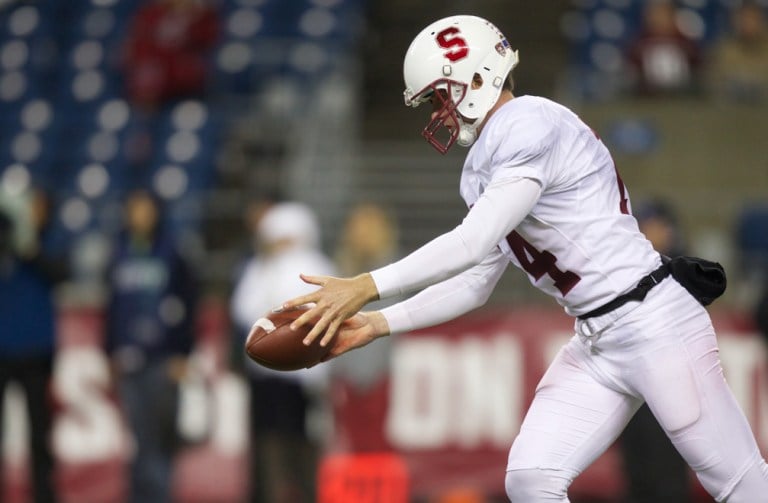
column 445, row 96
column 468, row 59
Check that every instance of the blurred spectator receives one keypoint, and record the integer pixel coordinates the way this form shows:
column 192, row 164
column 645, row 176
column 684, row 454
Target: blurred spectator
column 758, row 270
column 149, row 334
column 761, row 312
column 369, row 240
column 284, row 405
column 166, row 51
column 27, row 332
column 659, row 222
column 663, row 60
column 247, row 248
column 739, row 61
column 655, row 470
column 254, row 212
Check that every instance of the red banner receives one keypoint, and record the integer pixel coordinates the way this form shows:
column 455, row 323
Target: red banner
column 456, row 396
column 448, row 410
column 89, row 438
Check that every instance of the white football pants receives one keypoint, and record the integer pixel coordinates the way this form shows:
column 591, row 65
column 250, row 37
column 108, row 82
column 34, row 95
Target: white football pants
column 662, row 351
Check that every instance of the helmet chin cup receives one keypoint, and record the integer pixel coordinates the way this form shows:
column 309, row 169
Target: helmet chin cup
column 467, row 136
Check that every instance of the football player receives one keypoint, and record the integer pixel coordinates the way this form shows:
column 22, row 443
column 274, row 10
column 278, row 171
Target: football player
column 543, row 194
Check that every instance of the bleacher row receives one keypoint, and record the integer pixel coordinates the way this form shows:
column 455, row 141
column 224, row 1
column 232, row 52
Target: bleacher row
column 599, row 31
column 65, row 122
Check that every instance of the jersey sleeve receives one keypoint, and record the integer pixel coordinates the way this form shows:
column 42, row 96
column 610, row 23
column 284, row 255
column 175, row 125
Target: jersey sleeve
column 524, row 145
column 448, row 299
column 500, row 209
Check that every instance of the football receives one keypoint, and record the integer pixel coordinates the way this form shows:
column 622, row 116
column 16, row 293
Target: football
column 272, row 344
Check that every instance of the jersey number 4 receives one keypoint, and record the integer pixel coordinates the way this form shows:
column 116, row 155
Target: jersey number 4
column 541, row 263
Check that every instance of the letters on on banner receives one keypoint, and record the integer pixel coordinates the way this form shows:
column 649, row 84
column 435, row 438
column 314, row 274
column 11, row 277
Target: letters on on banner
column 450, row 406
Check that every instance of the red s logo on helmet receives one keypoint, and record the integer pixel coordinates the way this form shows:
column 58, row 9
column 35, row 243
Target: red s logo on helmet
column 448, row 39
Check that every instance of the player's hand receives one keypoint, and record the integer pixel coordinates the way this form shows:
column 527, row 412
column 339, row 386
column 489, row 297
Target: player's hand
column 337, row 300
column 358, row 331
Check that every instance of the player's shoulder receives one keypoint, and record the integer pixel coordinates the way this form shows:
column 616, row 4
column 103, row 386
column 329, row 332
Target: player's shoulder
column 530, row 112
column 523, row 128
column 531, row 103
column 526, row 118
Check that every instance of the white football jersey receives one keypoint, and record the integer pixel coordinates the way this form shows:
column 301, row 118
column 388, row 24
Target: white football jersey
column 580, row 243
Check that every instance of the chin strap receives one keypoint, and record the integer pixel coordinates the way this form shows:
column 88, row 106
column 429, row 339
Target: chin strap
column 467, row 136
column 468, row 130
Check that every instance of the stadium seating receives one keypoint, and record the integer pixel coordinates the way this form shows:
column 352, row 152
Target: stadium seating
column 598, row 32
column 66, row 124
column 752, row 240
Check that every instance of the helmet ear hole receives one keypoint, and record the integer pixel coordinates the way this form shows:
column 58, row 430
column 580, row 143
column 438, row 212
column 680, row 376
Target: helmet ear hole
column 477, row 81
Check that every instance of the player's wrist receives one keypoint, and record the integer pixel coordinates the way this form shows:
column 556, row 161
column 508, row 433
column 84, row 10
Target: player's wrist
column 368, row 286
column 385, row 281
column 397, row 319
column 378, row 324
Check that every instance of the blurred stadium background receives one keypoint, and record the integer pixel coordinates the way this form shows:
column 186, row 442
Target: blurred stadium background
column 303, row 98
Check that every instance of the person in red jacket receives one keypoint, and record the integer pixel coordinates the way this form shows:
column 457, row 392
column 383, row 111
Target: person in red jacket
column 166, row 51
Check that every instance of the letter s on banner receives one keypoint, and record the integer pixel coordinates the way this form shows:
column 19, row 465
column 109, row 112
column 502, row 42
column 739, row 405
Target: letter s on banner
column 88, row 428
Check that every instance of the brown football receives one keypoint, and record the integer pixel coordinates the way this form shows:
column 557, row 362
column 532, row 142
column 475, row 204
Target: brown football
column 272, row 344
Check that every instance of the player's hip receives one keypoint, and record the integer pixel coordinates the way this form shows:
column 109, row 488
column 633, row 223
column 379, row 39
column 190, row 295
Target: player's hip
column 669, row 317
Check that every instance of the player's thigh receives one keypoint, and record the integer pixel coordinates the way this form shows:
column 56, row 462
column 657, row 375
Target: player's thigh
column 573, row 417
column 684, row 387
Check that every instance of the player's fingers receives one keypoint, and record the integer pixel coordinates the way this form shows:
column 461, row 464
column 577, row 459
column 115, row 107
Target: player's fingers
column 305, row 318
column 281, row 309
column 316, row 330
column 309, row 298
column 330, row 332
column 314, row 280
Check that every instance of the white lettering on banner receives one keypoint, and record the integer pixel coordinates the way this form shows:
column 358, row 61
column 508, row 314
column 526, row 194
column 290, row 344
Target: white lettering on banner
column 229, row 432
column 465, row 392
column 468, row 391
column 89, row 427
column 444, row 392
column 491, row 395
column 742, row 358
column 16, row 425
column 420, row 393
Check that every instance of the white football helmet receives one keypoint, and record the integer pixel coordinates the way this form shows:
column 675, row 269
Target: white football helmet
column 446, row 56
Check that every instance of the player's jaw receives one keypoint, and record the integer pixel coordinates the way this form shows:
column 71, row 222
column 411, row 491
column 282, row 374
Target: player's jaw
column 444, row 119
column 442, row 111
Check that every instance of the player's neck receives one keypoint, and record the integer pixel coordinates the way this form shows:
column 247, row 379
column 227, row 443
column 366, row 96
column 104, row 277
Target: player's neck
column 504, row 97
